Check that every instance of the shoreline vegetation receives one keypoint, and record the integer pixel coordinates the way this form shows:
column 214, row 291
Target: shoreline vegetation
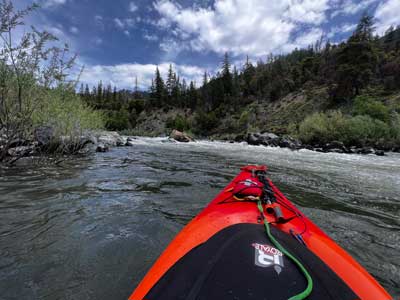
column 40, row 112
column 342, row 98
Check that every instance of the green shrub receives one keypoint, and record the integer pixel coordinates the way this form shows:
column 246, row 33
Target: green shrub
column 314, row 128
column 357, row 130
column 179, row 123
column 395, row 128
column 337, row 125
column 364, row 129
column 66, row 113
column 118, row 120
column 244, row 119
column 364, row 105
column 292, row 129
column 205, row 122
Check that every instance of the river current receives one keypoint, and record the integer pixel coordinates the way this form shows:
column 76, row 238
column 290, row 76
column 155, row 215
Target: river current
column 90, row 228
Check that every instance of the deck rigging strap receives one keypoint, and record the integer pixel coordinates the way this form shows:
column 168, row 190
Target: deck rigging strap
column 304, row 294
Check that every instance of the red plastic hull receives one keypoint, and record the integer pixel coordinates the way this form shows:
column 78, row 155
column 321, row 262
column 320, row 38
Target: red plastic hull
column 216, row 217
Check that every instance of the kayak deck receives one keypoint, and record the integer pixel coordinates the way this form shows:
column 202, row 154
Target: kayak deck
column 223, row 217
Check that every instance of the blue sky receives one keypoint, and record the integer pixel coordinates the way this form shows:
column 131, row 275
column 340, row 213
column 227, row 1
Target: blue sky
column 117, row 40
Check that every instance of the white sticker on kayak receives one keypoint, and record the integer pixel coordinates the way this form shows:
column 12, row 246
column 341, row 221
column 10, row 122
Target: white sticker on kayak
column 267, row 256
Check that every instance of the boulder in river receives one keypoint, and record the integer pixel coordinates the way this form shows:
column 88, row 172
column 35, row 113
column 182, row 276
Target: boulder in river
column 380, row 152
column 335, row 146
column 289, row 142
column 110, row 138
column 102, row 148
column 269, row 139
column 180, row 136
column 365, row 150
column 253, row 139
column 396, row 149
column 130, row 141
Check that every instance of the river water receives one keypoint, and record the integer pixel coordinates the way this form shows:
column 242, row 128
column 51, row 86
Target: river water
column 91, row 227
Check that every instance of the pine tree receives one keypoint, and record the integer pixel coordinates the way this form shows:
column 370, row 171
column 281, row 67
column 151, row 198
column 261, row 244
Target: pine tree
column 170, row 81
column 364, row 30
column 152, row 92
column 159, row 89
column 87, row 91
column 226, row 75
column 184, row 86
column 115, row 94
column 247, row 75
column 235, row 82
column 357, row 61
column 183, row 93
column 94, row 98
column 204, row 99
column 192, row 95
column 175, row 93
column 108, row 96
column 136, row 93
column 99, row 93
column 81, row 90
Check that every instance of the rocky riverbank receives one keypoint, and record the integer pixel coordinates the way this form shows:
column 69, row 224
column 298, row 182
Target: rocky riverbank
column 273, row 140
column 44, row 142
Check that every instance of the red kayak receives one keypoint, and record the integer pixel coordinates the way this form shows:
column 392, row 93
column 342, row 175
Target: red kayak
column 251, row 242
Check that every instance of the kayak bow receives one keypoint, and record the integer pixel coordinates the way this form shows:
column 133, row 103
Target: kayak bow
column 251, row 242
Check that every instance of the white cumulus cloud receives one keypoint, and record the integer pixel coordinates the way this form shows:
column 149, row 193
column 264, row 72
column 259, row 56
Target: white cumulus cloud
column 351, row 7
column 305, row 39
column 387, row 14
column 254, row 27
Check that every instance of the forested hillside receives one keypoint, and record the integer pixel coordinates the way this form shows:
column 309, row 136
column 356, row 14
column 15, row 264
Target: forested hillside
column 343, row 91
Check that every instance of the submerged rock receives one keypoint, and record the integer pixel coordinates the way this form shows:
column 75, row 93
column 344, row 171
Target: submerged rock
column 180, row 136
column 380, row 152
